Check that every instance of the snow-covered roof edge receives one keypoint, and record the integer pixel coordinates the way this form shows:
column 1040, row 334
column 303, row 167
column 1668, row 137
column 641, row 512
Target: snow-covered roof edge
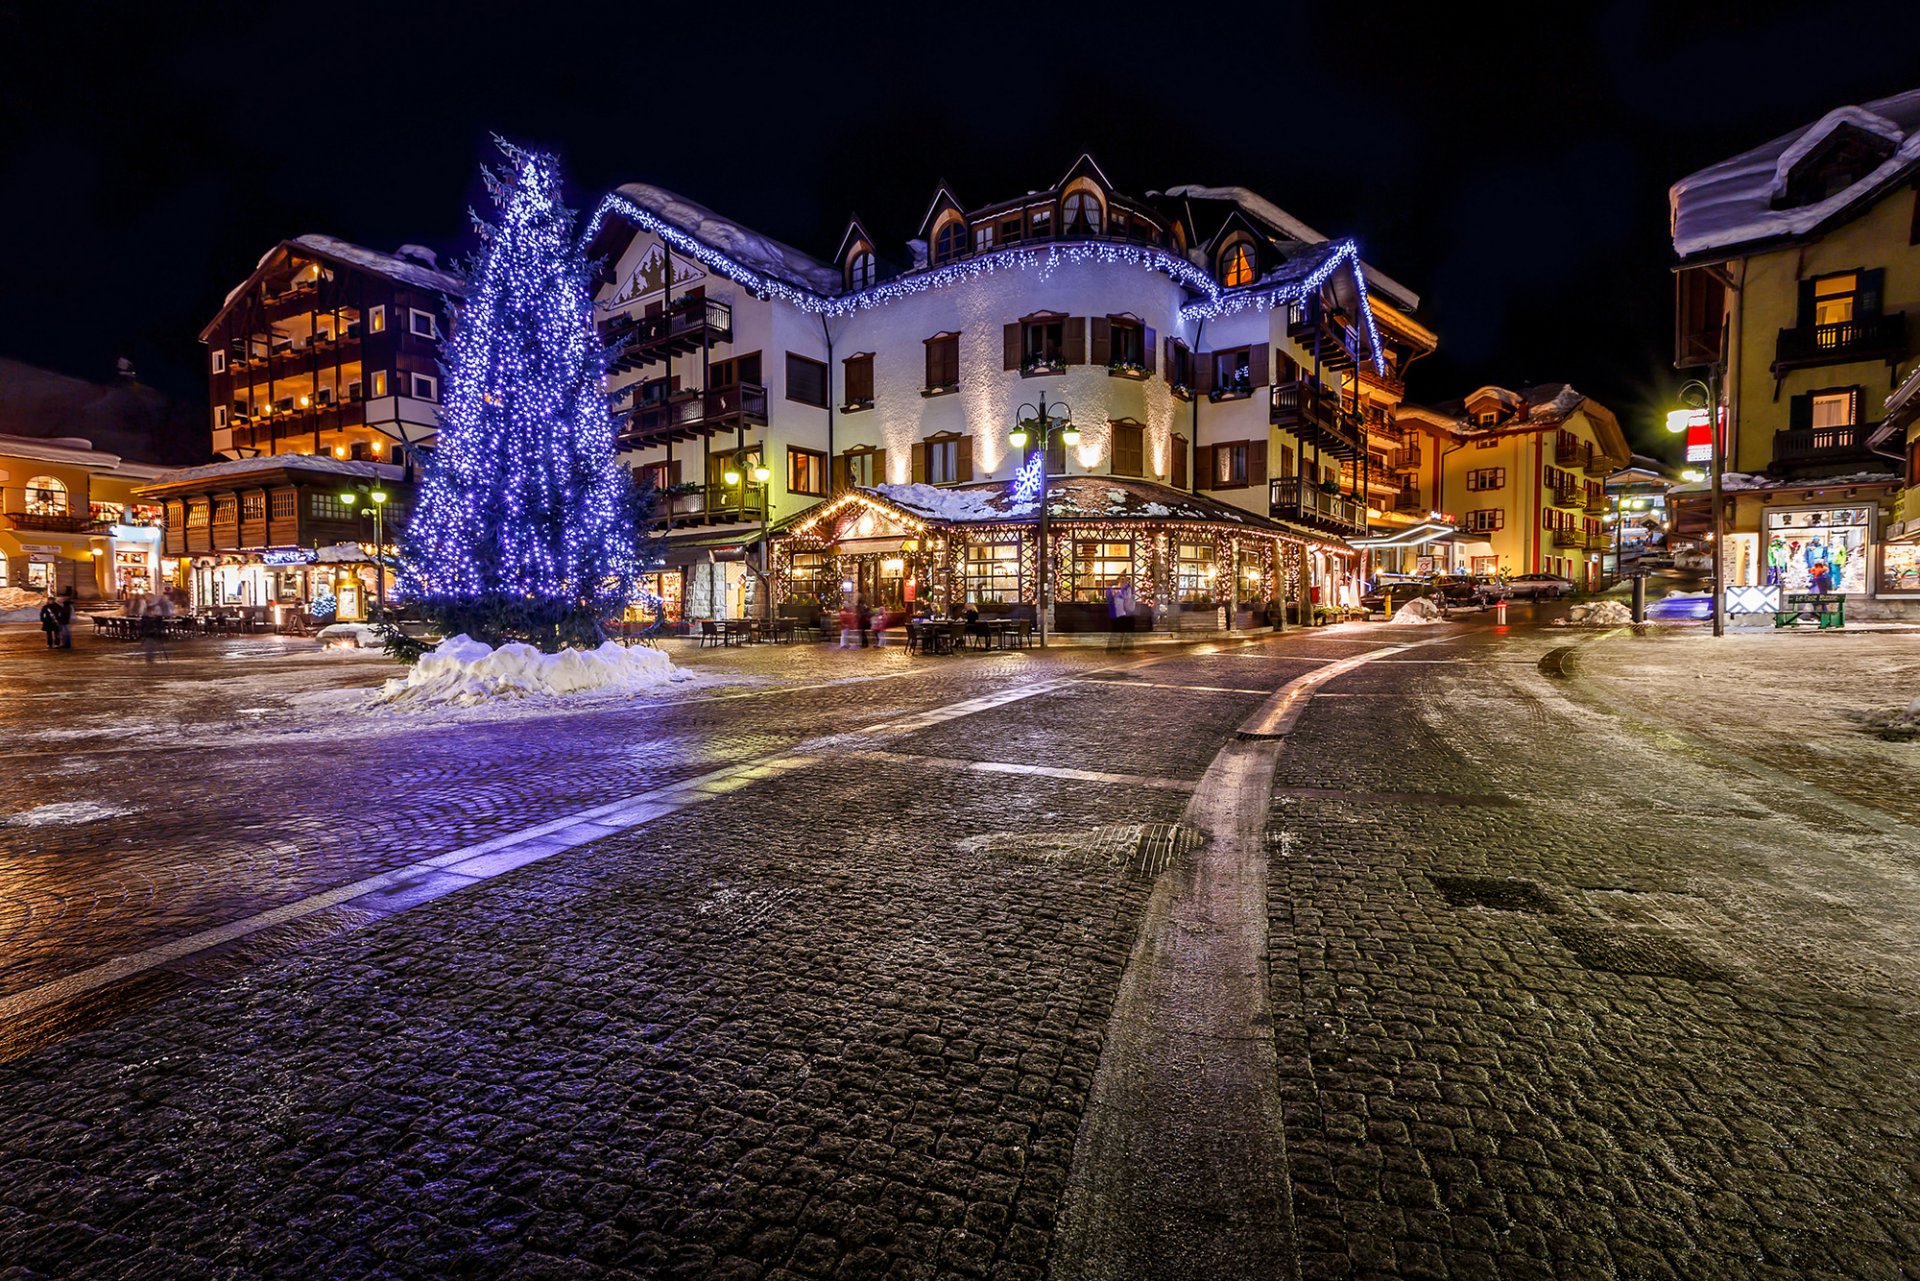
column 749, row 248
column 1258, row 206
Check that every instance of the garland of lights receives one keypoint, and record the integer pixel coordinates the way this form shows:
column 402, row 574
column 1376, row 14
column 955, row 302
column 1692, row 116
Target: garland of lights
column 1346, row 251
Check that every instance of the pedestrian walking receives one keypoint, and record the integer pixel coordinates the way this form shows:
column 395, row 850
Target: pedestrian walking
column 50, row 621
column 154, row 616
column 863, row 614
column 66, row 619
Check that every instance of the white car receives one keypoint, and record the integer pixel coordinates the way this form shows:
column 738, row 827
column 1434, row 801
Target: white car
column 1539, row 586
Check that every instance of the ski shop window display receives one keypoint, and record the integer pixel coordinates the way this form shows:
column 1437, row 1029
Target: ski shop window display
column 1900, row 569
column 1819, row 551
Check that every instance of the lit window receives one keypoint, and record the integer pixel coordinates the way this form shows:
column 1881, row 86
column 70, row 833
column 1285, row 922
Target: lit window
column 377, row 383
column 943, row 462
column 1833, row 299
column 219, row 360
column 1082, row 214
column 377, row 320
column 1236, row 266
column 46, row 496
column 1833, row 409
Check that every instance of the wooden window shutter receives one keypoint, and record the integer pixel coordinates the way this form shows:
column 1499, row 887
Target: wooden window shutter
column 1148, row 352
column 1800, row 410
column 1202, row 373
column 1102, row 340
column 1056, row 457
column 1257, row 366
column 1178, row 471
column 1870, row 290
column 673, row 472
column 1010, row 338
column 963, row 466
column 1074, row 339
column 1173, row 361
column 1806, row 303
column 920, row 463
column 1286, row 461
column 1257, row 462
column 1203, row 461
column 839, row 473
column 879, row 466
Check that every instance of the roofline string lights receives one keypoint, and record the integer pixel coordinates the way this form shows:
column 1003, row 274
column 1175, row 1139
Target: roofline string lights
column 1345, row 251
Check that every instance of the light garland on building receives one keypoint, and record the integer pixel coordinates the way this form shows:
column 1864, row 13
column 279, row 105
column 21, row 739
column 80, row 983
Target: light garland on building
column 1346, row 251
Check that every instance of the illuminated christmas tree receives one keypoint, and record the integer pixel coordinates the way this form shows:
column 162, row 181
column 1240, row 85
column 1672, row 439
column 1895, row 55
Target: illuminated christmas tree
column 524, row 527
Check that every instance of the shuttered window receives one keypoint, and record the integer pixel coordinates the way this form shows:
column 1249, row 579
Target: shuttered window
column 859, row 380
column 1129, row 449
column 806, row 381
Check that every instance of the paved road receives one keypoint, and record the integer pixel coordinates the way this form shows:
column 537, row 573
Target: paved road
column 845, row 1021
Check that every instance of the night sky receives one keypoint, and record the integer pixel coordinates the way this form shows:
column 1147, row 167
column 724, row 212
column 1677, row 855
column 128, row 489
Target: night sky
column 1512, row 172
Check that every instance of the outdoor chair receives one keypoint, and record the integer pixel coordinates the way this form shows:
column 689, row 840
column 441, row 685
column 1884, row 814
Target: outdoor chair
column 710, row 633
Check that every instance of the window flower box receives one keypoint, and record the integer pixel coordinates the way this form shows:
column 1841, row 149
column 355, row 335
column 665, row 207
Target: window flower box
column 1127, row 369
column 1038, row 368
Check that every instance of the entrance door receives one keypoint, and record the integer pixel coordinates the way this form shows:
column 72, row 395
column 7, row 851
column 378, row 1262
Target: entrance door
column 884, row 587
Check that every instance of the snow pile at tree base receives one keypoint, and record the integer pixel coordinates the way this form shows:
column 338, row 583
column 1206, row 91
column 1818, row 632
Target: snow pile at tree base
column 1420, row 610
column 463, row 672
column 1606, row 613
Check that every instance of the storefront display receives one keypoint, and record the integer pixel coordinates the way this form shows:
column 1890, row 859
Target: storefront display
column 1824, row 550
column 1900, row 568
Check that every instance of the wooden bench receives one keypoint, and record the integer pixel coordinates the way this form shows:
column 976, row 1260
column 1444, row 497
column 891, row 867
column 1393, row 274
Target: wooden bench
column 1827, row 610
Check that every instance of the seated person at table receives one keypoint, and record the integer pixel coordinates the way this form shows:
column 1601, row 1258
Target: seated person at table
column 973, row 619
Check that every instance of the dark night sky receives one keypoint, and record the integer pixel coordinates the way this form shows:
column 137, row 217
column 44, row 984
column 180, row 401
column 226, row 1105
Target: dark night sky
column 1512, row 171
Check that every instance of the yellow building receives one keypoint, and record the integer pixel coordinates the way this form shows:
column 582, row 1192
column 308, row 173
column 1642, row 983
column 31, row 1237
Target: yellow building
column 1521, row 475
column 69, row 520
column 1798, row 273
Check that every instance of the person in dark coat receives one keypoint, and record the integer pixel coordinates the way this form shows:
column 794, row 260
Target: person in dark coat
column 50, row 622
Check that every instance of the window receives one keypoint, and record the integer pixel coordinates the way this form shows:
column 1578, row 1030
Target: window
column 1129, row 449
column 219, row 360
column 1043, row 344
column 659, row 475
column 806, row 381
column 718, row 465
column 1098, row 565
column 1833, row 409
column 253, row 507
column 198, row 514
column 862, row 467
column 1081, row 214
column 1236, row 265
column 1232, row 373
column 1009, row 230
column 282, row 505
column 1180, row 362
column 377, row 383
column 943, row 461
column 732, row 373
column 859, row 381
column 219, row 417
column 425, row 387
column 1126, row 344
column 860, row 268
column 46, row 496
column 943, row 362
column 1485, row 520
column 983, row 237
column 1487, row 478
column 1230, row 466
column 1040, row 223
column 950, row 240
column 806, row 472
column 377, row 320
column 1193, row 572
column 811, row 576
column 1487, row 418
column 327, row 506
column 990, row 573
column 422, row 323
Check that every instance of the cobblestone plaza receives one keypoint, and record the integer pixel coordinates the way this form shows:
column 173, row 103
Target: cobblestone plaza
column 846, row 963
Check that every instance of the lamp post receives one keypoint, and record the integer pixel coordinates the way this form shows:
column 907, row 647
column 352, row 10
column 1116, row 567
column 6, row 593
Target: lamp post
column 1698, row 394
column 1038, row 423
column 736, row 475
column 378, row 497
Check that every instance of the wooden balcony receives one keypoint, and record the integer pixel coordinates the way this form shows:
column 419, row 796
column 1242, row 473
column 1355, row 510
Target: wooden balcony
column 1799, row 448
column 1312, row 412
column 717, row 504
column 1408, row 451
column 1597, row 504
column 286, row 360
column 1338, row 345
column 1288, row 499
column 261, row 432
column 1410, row 500
column 1569, row 496
column 1381, row 384
column 1867, row 338
column 1570, row 540
column 688, row 325
column 1572, row 453
column 44, row 522
column 690, row 415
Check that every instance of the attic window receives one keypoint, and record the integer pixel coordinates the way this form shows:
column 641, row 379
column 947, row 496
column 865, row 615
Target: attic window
column 950, row 241
column 860, row 268
column 1845, row 156
column 1236, row 265
column 1487, row 417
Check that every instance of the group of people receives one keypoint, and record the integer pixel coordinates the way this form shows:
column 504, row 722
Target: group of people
column 56, row 619
column 153, row 610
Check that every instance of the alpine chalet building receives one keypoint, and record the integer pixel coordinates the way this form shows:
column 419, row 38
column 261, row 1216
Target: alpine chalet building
column 1232, row 374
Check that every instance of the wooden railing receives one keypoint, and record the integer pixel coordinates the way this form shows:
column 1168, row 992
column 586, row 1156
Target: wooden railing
column 1311, row 505
column 1815, row 445
column 1312, row 411
column 693, row 413
column 1858, row 339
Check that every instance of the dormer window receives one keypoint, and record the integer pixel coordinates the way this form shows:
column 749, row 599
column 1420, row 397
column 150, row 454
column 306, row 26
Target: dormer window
column 950, row 239
column 1842, row 158
column 1487, row 417
column 860, row 268
column 1236, row 265
column 1081, row 213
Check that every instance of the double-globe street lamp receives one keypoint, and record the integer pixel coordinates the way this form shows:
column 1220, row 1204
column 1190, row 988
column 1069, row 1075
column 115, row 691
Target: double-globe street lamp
column 736, row 476
column 1037, row 425
column 378, row 497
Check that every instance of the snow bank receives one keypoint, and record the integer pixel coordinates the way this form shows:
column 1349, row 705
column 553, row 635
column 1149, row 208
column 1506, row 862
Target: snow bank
column 1606, row 613
column 463, row 672
column 348, row 634
column 1418, row 612
column 61, row 813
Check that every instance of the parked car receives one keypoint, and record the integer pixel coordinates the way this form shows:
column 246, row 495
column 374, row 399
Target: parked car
column 1461, row 591
column 1539, row 586
column 1681, row 607
column 1401, row 588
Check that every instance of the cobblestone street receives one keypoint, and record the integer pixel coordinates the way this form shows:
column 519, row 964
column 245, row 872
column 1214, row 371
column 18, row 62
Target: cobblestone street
column 1565, row 978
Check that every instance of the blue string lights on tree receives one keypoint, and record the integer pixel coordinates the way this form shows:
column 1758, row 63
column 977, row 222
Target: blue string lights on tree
column 525, row 525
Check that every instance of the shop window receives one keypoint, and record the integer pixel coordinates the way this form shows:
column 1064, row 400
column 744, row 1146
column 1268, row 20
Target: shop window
column 1193, row 572
column 1099, row 564
column 1825, row 550
column 990, row 573
column 806, row 472
column 1900, row 568
column 812, row 576
column 47, row 496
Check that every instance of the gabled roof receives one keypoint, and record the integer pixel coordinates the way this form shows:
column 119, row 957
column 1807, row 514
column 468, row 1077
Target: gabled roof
column 1085, row 166
column 943, row 198
column 271, row 466
column 1282, row 223
column 1731, row 204
column 854, row 234
column 1547, row 406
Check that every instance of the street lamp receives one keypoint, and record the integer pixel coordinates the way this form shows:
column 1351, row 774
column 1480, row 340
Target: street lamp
column 378, row 497
column 1038, row 423
column 1698, row 394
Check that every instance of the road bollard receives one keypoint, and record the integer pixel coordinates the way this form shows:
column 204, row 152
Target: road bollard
column 1499, row 613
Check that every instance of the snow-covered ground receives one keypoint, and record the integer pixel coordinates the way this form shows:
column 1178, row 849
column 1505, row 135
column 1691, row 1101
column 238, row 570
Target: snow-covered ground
column 1419, row 611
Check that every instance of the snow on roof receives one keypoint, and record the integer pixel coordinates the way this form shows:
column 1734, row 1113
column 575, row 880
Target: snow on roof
column 1740, row 482
column 1258, row 206
column 1731, row 203
column 748, row 248
column 1547, row 403
column 290, row 462
column 407, row 271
